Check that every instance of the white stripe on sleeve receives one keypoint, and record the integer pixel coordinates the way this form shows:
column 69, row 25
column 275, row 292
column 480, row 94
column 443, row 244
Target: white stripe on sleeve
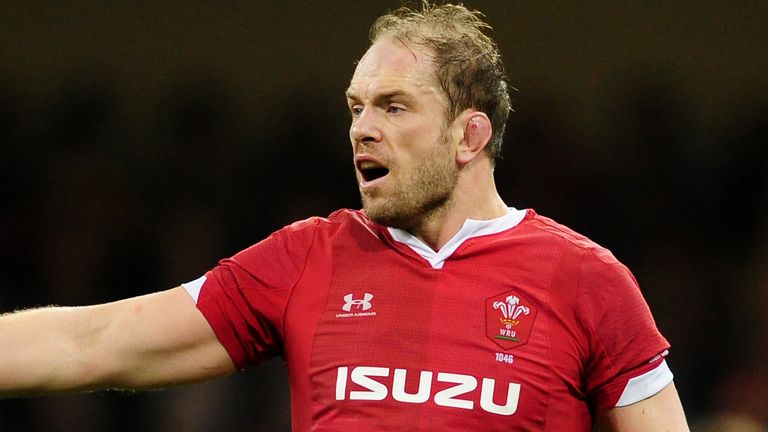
column 646, row 385
column 193, row 288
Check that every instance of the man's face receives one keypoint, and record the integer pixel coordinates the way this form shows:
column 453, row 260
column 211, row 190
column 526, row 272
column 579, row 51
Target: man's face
column 405, row 166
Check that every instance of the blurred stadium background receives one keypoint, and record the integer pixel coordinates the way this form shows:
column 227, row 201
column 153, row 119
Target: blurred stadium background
column 142, row 142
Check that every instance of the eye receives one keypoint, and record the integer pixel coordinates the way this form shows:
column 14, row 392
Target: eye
column 356, row 110
column 395, row 109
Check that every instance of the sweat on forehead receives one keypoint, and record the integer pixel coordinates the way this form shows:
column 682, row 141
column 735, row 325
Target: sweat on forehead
column 397, row 52
column 390, row 60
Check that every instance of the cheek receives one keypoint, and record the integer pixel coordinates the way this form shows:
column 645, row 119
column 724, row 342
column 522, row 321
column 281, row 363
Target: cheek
column 420, row 138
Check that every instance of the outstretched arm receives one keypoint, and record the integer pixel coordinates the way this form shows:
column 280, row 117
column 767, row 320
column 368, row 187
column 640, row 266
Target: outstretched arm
column 660, row 412
column 151, row 341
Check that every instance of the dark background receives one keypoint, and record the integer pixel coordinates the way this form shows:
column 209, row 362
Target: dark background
column 140, row 143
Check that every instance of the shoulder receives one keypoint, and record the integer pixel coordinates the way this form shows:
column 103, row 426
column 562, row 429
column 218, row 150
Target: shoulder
column 557, row 232
column 602, row 284
column 292, row 243
column 338, row 226
column 587, row 263
column 545, row 231
column 331, row 222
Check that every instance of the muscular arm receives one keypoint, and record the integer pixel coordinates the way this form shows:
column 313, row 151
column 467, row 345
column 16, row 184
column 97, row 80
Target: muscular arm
column 661, row 412
column 151, row 341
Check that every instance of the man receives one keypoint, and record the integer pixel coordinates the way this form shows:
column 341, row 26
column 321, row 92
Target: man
column 438, row 307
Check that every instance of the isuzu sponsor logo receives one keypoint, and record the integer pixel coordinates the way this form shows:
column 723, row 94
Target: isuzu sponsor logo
column 378, row 386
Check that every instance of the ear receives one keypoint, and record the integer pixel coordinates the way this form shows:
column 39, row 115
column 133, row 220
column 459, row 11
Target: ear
column 477, row 135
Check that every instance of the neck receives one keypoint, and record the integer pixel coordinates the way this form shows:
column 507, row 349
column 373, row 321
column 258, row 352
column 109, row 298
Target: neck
column 475, row 197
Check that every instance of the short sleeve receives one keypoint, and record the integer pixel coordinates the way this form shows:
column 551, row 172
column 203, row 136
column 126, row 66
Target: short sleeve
column 244, row 297
column 626, row 350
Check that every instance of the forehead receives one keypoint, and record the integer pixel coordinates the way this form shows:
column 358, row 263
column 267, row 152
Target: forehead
column 390, row 63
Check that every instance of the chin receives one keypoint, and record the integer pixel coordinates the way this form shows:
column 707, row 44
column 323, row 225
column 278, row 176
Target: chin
column 392, row 216
column 392, row 221
column 384, row 214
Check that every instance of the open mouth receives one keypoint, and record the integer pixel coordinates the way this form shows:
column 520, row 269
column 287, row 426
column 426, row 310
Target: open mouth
column 371, row 170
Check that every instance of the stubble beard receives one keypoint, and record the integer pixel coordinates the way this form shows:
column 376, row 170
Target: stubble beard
column 424, row 193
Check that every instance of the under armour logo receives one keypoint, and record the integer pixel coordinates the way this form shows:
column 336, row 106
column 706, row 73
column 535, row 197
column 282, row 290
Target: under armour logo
column 361, row 304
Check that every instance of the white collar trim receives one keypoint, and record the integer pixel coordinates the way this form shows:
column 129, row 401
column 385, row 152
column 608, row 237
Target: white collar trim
column 471, row 228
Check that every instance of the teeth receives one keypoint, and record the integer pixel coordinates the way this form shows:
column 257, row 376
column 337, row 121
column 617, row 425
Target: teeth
column 369, row 165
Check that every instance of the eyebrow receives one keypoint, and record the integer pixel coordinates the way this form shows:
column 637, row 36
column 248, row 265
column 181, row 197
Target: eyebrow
column 382, row 97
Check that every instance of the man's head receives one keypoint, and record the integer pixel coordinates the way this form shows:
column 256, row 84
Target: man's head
column 417, row 123
column 467, row 63
column 405, row 167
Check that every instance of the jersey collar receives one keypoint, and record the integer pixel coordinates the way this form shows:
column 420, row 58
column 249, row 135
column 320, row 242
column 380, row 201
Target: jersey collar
column 471, row 228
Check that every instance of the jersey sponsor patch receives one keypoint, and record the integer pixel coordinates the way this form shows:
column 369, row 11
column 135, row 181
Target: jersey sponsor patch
column 509, row 319
column 450, row 390
column 357, row 306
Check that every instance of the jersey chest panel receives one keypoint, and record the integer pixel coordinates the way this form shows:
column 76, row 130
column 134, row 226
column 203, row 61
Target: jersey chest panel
column 399, row 344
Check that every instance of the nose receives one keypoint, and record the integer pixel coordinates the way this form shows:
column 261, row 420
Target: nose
column 364, row 128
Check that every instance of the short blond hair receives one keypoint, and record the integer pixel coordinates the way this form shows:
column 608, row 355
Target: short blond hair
column 468, row 64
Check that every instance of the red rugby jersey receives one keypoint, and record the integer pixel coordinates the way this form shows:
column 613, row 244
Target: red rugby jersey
column 518, row 323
